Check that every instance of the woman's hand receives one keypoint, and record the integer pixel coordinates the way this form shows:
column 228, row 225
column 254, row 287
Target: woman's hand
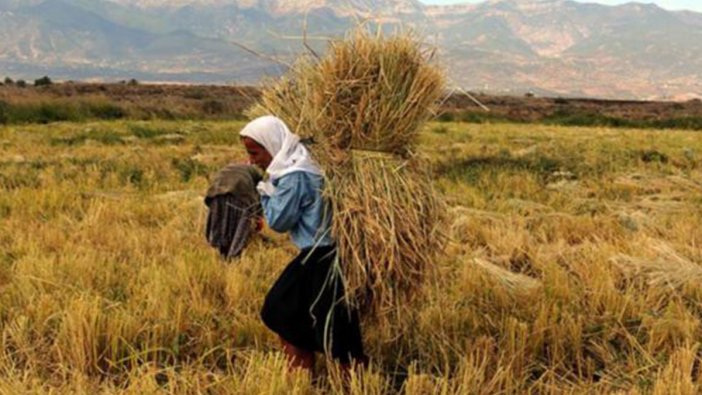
column 265, row 188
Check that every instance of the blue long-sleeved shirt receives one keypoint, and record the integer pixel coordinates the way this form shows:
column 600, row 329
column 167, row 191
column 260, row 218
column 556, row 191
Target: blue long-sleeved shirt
column 297, row 207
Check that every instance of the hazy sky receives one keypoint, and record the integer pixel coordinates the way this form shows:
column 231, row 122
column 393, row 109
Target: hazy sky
column 695, row 5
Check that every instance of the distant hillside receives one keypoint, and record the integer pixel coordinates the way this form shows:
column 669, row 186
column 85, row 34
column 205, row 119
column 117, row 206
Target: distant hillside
column 550, row 47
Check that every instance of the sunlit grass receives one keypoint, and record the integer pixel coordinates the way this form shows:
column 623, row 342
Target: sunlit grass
column 555, row 281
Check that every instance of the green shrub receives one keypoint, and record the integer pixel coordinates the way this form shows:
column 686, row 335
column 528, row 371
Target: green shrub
column 4, row 109
column 43, row 81
column 58, row 111
column 691, row 123
column 446, row 117
column 106, row 111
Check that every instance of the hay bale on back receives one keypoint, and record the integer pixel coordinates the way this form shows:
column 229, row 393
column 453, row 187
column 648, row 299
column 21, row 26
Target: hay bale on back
column 363, row 104
column 369, row 93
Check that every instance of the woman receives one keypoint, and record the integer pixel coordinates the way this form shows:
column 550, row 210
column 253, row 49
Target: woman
column 305, row 306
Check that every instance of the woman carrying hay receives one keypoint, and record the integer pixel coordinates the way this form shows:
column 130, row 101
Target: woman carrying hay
column 306, row 305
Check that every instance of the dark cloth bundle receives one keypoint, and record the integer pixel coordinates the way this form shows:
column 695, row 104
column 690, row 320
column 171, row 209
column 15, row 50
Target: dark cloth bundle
column 234, row 206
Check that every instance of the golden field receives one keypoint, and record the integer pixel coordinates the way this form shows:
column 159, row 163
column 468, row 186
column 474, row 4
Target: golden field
column 575, row 266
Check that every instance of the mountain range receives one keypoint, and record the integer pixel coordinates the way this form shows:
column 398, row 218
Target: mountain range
column 549, row 47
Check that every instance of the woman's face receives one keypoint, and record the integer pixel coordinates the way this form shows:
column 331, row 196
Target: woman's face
column 258, row 155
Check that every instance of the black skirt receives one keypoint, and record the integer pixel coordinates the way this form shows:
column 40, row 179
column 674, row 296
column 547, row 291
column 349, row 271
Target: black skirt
column 306, row 307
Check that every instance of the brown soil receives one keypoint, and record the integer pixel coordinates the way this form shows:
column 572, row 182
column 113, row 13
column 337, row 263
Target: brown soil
column 534, row 109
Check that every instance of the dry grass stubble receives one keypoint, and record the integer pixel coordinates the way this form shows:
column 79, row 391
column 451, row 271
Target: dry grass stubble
column 108, row 286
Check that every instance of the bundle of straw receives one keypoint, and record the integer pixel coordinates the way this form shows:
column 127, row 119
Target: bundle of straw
column 363, row 105
column 516, row 283
column 668, row 268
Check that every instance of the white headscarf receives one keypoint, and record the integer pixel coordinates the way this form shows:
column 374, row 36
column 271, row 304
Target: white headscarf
column 289, row 155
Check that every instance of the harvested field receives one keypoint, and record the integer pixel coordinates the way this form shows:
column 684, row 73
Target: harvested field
column 573, row 266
